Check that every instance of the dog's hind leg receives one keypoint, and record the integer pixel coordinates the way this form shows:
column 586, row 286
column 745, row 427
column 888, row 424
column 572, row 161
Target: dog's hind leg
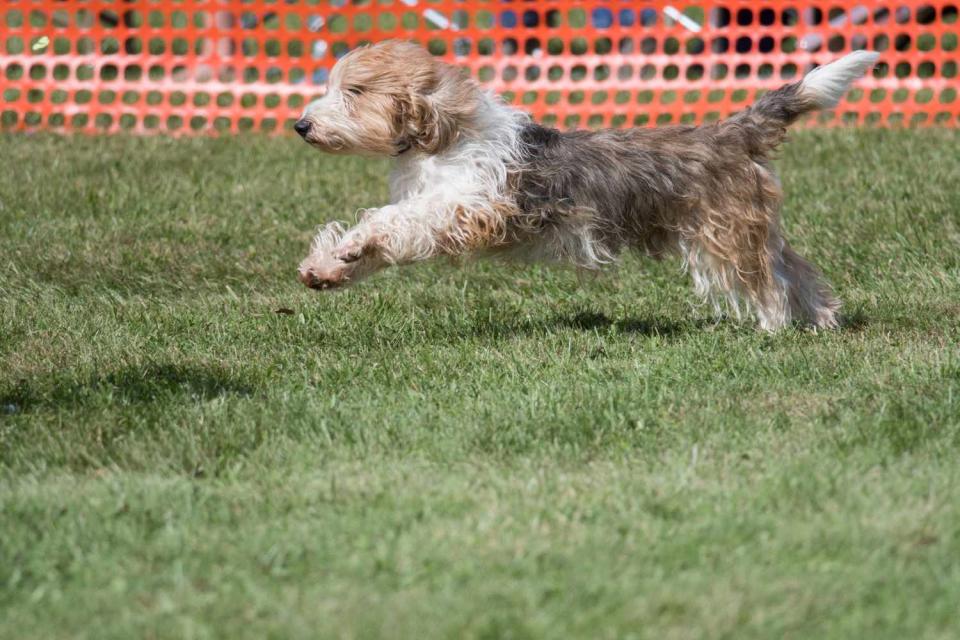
column 746, row 261
column 810, row 298
column 719, row 277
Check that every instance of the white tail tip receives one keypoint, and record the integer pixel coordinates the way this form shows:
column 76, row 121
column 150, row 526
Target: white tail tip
column 828, row 83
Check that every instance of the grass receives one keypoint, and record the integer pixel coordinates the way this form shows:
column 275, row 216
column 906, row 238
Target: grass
column 194, row 445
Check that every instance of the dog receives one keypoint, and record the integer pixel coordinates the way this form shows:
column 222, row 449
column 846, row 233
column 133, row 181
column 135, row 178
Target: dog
column 474, row 175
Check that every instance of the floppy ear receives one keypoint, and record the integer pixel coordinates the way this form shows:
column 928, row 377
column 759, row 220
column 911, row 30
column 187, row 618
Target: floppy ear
column 435, row 116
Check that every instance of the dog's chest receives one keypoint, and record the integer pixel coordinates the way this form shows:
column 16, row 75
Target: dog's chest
column 435, row 178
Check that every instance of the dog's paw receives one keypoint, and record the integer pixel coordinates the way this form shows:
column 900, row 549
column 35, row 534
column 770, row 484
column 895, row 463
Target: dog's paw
column 349, row 260
column 325, row 273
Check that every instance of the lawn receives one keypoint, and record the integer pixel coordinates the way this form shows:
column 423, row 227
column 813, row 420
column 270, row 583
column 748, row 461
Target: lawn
column 194, row 445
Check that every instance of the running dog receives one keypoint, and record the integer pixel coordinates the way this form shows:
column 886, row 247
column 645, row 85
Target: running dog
column 473, row 174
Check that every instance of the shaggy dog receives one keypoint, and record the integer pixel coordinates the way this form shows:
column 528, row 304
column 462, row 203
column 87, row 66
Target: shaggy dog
column 475, row 175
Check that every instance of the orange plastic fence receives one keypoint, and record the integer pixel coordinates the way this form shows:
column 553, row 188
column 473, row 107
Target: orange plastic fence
column 216, row 65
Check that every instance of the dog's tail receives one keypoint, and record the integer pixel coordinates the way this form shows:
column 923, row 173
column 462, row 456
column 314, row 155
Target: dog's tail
column 765, row 122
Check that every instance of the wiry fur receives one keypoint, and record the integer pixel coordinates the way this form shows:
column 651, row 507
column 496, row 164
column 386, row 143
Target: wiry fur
column 473, row 174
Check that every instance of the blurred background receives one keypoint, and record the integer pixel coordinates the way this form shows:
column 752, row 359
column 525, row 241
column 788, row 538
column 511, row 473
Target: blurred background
column 194, row 66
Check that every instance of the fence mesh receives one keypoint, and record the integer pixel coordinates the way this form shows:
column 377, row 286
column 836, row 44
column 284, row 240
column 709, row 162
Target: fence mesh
column 195, row 66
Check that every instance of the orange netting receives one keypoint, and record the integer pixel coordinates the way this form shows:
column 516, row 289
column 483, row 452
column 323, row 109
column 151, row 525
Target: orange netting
column 218, row 65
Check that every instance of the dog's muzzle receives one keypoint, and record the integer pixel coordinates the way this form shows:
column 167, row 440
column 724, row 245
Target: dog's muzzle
column 302, row 127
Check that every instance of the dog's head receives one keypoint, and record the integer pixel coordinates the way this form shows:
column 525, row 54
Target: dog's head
column 389, row 98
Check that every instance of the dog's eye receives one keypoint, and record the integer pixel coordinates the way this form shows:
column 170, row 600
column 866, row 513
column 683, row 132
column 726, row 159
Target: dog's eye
column 352, row 91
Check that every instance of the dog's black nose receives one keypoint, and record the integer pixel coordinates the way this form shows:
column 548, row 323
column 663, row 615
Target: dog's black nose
column 302, row 127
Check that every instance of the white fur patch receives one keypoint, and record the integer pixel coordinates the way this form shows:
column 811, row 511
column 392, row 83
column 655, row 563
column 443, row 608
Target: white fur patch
column 828, row 83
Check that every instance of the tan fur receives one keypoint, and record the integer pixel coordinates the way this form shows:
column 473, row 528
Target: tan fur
column 398, row 96
column 477, row 230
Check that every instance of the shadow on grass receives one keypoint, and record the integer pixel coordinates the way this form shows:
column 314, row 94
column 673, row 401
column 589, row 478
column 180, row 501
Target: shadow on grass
column 592, row 321
column 127, row 386
column 853, row 321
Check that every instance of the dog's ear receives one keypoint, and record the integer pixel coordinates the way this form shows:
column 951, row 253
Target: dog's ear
column 435, row 115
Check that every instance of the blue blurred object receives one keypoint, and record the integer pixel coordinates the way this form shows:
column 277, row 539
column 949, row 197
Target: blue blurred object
column 508, row 18
column 602, row 18
column 461, row 47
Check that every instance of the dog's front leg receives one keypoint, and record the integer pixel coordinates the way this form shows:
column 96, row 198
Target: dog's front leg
column 340, row 256
column 410, row 231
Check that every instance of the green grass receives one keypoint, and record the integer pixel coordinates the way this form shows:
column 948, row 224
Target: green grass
column 490, row 451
